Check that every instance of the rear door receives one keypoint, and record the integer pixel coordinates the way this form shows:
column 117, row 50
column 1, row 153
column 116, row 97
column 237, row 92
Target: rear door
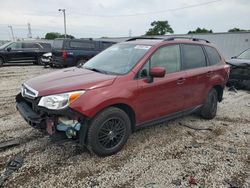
column 30, row 51
column 198, row 73
column 163, row 96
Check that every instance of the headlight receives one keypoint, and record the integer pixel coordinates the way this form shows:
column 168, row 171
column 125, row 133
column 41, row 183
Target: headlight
column 59, row 101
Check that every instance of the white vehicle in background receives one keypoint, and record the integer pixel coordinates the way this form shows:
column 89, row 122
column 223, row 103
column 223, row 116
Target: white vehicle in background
column 46, row 59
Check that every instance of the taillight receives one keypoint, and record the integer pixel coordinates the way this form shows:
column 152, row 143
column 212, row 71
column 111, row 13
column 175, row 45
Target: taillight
column 64, row 54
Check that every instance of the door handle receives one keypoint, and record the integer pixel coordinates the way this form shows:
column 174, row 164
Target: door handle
column 180, row 81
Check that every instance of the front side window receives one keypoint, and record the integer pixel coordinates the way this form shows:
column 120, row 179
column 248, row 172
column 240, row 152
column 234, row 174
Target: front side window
column 193, row 56
column 168, row 57
column 15, row 45
column 213, row 56
column 118, row 59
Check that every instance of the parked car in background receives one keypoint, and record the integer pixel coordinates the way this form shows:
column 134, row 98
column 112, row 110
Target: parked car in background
column 128, row 86
column 240, row 70
column 71, row 52
column 46, row 59
column 23, row 52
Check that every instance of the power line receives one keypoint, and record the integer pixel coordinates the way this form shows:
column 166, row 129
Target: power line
column 154, row 12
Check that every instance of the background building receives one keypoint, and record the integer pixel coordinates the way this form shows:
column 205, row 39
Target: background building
column 229, row 44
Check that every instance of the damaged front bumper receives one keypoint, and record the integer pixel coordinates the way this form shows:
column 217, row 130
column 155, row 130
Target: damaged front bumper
column 239, row 75
column 65, row 122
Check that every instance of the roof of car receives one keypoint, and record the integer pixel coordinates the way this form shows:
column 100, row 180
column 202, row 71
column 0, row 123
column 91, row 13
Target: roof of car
column 153, row 41
column 149, row 42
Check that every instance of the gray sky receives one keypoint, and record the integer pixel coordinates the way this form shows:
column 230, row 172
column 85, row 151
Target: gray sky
column 98, row 18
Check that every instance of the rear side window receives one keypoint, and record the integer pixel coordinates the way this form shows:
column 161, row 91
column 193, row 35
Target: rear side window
column 46, row 46
column 79, row 44
column 58, row 44
column 193, row 56
column 213, row 56
column 30, row 45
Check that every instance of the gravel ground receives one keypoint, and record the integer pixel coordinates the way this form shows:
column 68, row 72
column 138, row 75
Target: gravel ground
column 167, row 155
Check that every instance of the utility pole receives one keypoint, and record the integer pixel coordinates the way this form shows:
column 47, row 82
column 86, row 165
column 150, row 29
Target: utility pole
column 130, row 33
column 12, row 33
column 64, row 17
column 29, row 31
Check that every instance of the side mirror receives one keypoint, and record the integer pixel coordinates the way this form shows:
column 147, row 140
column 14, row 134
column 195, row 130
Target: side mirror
column 234, row 57
column 157, row 72
column 8, row 49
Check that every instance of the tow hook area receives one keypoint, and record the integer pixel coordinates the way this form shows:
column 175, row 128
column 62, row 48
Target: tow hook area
column 71, row 127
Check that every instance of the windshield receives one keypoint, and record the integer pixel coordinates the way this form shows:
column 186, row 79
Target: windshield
column 5, row 45
column 118, row 59
column 245, row 55
column 58, row 44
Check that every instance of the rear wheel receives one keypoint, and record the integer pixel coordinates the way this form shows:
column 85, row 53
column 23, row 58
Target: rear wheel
column 108, row 131
column 209, row 109
column 1, row 62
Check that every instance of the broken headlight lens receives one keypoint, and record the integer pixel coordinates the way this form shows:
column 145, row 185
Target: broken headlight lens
column 59, row 101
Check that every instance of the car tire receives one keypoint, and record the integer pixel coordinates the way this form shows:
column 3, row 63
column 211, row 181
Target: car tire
column 39, row 61
column 1, row 62
column 209, row 108
column 108, row 132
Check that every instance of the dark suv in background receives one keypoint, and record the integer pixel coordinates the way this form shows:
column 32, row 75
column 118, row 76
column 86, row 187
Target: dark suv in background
column 71, row 52
column 23, row 52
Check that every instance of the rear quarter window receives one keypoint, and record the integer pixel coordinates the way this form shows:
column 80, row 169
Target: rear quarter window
column 213, row 56
column 193, row 56
column 83, row 45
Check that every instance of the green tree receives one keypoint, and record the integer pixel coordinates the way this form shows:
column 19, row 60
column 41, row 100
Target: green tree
column 159, row 28
column 54, row 35
column 199, row 30
column 237, row 30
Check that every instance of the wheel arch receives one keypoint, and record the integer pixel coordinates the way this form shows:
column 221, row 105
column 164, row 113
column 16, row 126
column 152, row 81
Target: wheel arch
column 129, row 111
column 123, row 106
column 219, row 89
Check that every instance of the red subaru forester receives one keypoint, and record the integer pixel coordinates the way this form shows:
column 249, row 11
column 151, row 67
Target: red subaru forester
column 133, row 84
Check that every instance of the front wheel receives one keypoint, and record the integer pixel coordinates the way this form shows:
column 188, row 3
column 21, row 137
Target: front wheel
column 109, row 131
column 209, row 108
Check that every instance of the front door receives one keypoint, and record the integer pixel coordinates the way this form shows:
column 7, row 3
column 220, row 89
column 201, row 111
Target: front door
column 163, row 96
column 14, row 52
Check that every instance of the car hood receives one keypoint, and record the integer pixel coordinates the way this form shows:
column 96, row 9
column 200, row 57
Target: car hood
column 70, row 79
column 239, row 62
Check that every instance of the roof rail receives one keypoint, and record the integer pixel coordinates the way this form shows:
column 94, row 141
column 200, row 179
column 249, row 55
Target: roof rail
column 149, row 38
column 189, row 38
